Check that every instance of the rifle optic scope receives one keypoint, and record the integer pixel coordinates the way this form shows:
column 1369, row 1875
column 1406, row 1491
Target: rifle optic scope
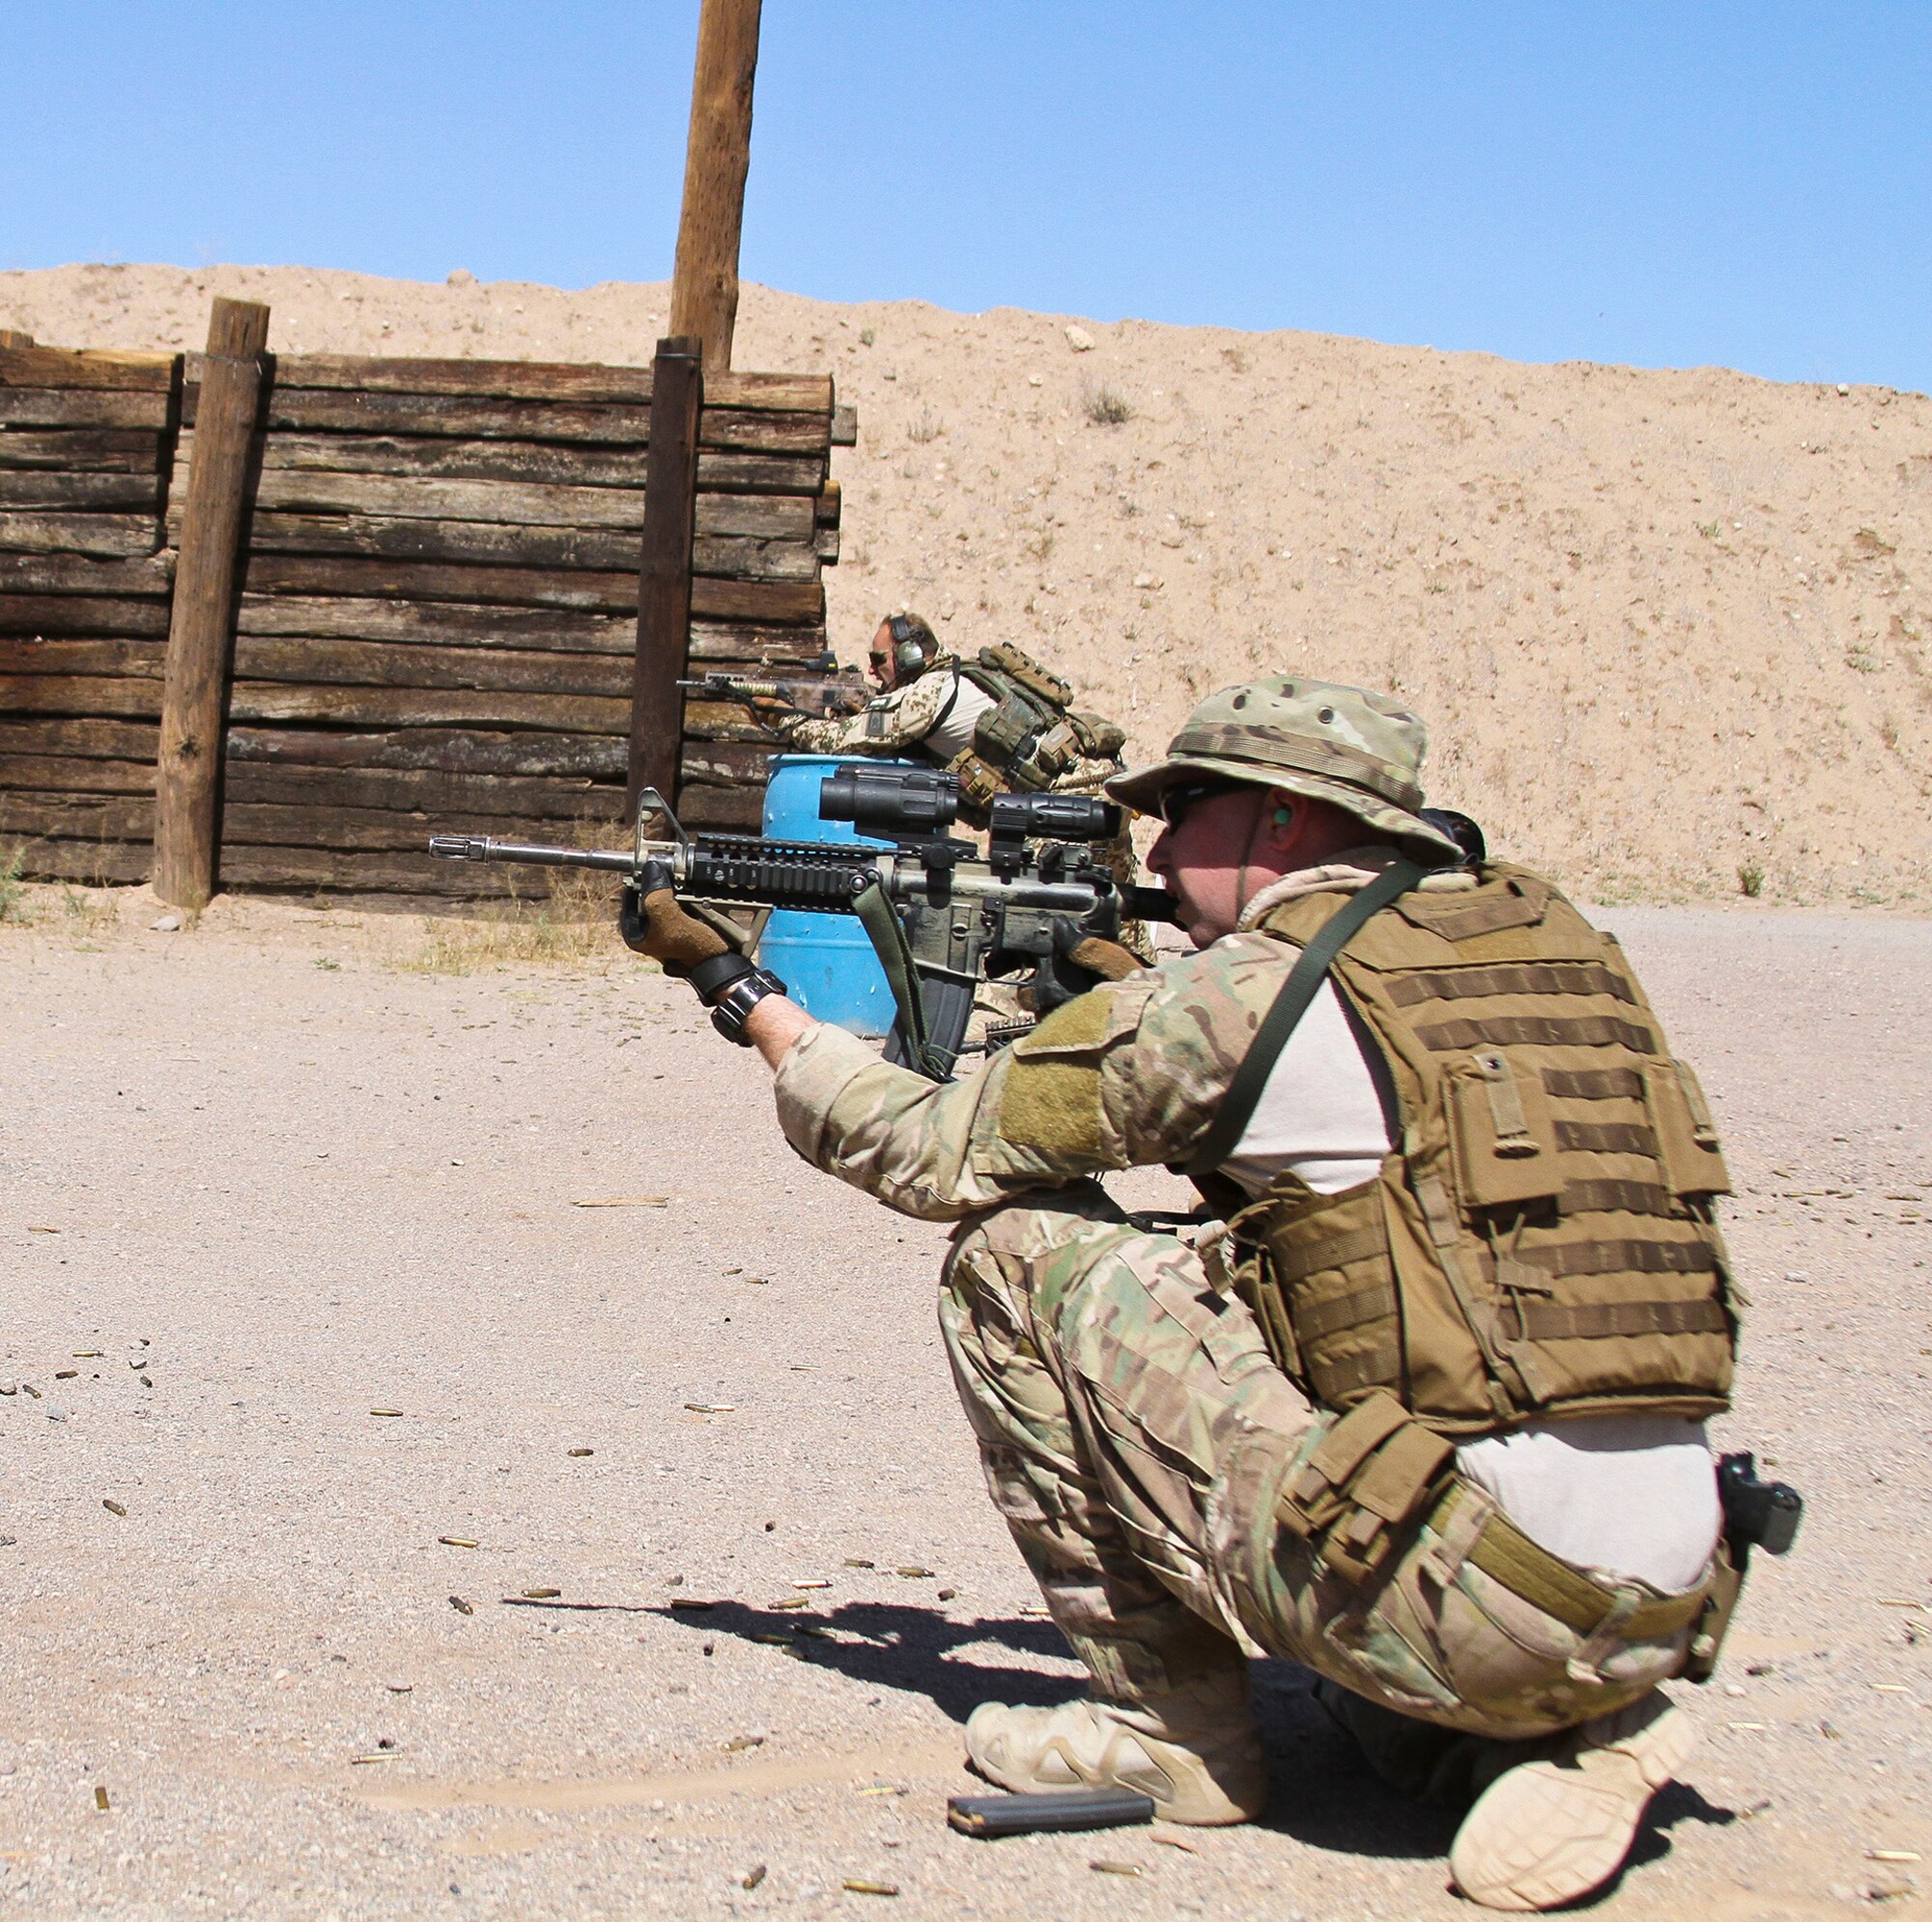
column 891, row 803
column 1052, row 817
column 904, row 803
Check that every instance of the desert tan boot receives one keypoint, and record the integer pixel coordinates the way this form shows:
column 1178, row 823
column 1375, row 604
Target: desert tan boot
column 1549, row 1831
column 1203, row 1767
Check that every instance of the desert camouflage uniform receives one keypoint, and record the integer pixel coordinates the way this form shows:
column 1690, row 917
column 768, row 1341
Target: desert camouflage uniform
column 889, row 723
column 1135, row 1432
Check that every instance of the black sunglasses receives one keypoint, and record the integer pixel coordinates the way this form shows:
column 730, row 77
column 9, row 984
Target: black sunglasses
column 1176, row 801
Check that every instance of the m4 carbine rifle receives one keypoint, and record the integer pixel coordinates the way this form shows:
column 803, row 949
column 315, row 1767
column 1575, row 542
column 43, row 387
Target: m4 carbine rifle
column 942, row 915
column 826, row 698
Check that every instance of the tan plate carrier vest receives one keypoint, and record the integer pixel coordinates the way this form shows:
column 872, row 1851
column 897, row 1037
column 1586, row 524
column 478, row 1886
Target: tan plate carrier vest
column 1540, row 1239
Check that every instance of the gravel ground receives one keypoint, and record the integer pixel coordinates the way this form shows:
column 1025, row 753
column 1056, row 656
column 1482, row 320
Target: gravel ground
column 268, row 1180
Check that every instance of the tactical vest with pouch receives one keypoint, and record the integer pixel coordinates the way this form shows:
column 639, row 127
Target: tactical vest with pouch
column 1539, row 1241
column 1030, row 735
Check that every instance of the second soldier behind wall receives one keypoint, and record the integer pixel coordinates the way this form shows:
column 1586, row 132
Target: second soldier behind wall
column 1001, row 721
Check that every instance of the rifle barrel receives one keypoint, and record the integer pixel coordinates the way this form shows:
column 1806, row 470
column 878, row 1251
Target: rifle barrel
column 536, row 854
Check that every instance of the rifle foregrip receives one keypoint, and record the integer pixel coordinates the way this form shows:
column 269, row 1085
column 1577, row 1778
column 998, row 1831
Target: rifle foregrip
column 814, row 877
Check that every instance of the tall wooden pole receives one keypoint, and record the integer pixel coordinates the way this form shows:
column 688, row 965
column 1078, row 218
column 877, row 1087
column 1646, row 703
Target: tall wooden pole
column 704, row 281
column 188, row 770
column 664, row 575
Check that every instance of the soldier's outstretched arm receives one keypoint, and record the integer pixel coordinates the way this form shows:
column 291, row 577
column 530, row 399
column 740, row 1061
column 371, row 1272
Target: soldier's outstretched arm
column 889, row 726
column 1127, row 1075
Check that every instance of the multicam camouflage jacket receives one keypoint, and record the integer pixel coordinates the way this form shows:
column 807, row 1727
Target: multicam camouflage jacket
column 1129, row 1075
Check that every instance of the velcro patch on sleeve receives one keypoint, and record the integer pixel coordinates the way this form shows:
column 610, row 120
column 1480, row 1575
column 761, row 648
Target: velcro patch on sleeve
column 1051, row 1101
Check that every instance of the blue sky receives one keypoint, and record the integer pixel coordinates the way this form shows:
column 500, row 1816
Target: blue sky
column 1664, row 184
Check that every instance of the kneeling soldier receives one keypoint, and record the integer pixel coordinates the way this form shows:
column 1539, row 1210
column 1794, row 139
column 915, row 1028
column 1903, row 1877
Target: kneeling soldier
column 1423, row 1409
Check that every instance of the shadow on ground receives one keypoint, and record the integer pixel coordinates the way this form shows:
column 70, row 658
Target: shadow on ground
column 888, row 1644
column 1325, row 1794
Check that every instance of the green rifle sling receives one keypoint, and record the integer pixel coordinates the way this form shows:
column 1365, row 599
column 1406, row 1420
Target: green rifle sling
column 881, row 927
column 1304, row 982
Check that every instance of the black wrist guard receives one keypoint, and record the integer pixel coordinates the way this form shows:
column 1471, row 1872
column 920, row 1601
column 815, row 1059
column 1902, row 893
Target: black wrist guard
column 729, row 1011
column 713, row 976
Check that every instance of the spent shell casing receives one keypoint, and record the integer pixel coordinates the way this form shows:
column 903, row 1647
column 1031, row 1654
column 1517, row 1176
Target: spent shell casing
column 100, row 1796
column 753, row 1878
column 541, row 1594
column 112, row 1508
column 462, row 1607
column 859, row 1888
column 457, row 1541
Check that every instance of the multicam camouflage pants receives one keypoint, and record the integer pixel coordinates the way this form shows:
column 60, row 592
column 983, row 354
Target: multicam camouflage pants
column 1135, row 1435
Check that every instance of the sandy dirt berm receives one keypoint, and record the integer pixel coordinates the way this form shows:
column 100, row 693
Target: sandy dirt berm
column 1672, row 631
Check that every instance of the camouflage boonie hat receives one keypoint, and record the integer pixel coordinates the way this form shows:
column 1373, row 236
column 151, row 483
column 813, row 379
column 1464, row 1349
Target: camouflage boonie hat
column 1359, row 751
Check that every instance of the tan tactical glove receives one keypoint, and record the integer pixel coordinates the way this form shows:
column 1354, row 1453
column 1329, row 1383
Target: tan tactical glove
column 653, row 924
column 1106, row 959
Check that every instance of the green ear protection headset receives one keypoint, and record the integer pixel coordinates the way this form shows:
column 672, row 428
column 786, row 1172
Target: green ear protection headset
column 913, row 645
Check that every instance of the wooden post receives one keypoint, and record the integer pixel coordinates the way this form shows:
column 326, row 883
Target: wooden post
column 664, row 574
column 704, row 279
column 193, row 690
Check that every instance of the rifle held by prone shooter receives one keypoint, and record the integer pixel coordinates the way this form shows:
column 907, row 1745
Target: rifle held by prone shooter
column 942, row 915
column 830, row 697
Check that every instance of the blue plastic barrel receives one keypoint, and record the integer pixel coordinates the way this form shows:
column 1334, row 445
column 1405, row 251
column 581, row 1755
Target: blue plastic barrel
column 826, row 960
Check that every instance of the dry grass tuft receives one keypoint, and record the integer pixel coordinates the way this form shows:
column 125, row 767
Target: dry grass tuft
column 574, row 923
column 12, row 890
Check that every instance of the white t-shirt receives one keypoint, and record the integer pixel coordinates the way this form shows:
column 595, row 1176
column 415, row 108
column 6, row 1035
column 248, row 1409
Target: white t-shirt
column 1630, row 1496
column 955, row 726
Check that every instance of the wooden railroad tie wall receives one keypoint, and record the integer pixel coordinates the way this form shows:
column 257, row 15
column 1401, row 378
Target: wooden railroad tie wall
column 436, row 617
column 86, row 463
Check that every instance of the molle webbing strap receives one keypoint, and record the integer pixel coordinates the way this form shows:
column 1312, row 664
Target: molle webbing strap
column 1485, row 918
column 1541, row 978
column 1315, row 1321
column 1605, row 1198
column 1506, row 1555
column 1593, row 1084
column 1338, row 1375
column 1600, row 1320
column 1304, row 982
column 1296, row 1262
column 1537, row 1031
column 1622, row 1257
column 1268, row 747
column 1606, row 1138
